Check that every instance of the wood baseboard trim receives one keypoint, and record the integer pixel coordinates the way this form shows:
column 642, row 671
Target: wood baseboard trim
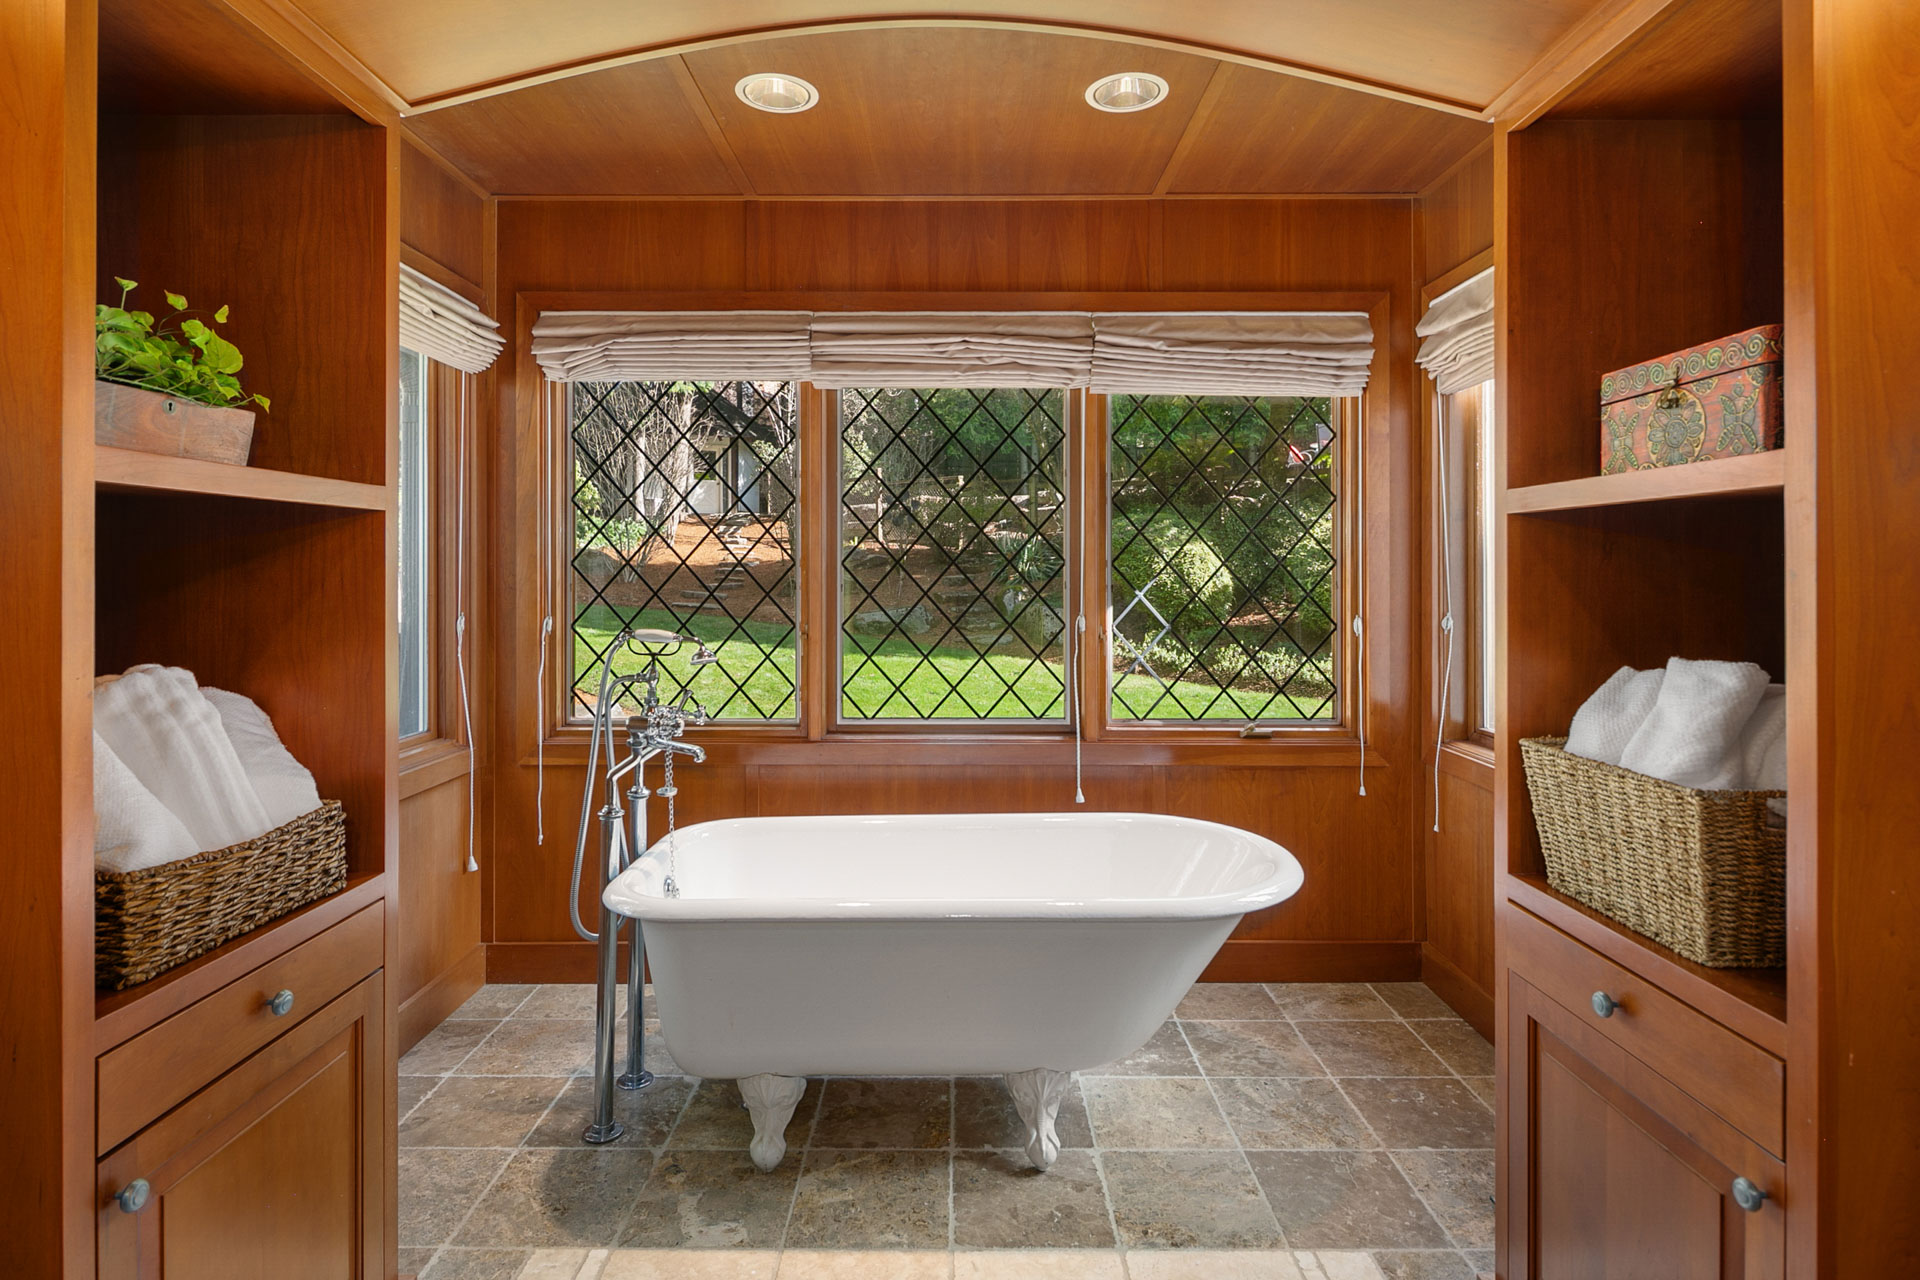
column 1451, row 984
column 428, row 1007
column 1240, row 960
column 1260, row 960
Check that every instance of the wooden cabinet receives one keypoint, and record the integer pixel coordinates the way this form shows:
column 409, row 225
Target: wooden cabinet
column 275, row 1169
column 1614, row 1172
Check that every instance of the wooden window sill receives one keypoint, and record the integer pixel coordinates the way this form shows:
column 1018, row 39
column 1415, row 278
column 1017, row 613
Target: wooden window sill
column 432, row 764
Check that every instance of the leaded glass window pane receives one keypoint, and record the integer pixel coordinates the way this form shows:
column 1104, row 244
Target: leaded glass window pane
column 1222, row 567
column 953, row 554
column 686, row 509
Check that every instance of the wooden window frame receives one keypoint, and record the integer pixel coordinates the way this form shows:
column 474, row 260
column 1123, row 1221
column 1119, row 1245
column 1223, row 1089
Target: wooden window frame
column 1366, row 547
column 442, row 749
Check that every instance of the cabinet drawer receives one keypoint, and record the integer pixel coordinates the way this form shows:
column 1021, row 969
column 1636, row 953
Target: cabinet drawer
column 1733, row 1077
column 149, row 1074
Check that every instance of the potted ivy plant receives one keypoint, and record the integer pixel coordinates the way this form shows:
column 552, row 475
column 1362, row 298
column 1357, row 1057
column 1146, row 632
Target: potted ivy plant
column 169, row 386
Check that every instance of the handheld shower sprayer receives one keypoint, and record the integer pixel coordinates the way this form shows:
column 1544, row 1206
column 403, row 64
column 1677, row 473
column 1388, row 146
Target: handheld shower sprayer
column 653, row 728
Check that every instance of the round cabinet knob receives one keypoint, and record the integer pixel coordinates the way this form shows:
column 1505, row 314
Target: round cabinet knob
column 1748, row 1195
column 133, row 1197
column 281, row 1003
column 1604, row 1004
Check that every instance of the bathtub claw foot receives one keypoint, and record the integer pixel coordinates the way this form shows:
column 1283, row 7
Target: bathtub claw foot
column 1037, row 1096
column 770, row 1100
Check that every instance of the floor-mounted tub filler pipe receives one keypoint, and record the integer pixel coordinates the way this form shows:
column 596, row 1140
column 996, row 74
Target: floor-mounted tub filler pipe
column 654, row 729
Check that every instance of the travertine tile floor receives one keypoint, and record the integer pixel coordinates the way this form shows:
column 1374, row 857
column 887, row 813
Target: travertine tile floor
column 1280, row 1132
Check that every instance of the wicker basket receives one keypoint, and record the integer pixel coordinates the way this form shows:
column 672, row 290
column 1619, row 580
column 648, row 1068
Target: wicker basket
column 1701, row 872
column 148, row 921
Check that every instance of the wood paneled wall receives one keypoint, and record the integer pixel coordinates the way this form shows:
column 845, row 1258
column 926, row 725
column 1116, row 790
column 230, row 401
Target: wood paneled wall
column 1454, row 816
column 1356, row 918
column 446, row 230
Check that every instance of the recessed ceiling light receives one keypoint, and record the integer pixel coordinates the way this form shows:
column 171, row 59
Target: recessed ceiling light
column 1128, row 91
column 780, row 94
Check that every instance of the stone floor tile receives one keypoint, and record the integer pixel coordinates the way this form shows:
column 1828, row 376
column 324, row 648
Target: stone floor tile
column 477, row 1264
column 1291, row 1114
column 871, row 1199
column 562, row 1264
column 414, row 1261
column 1458, row 1187
column 443, row 1048
column 1187, row 1200
column 865, row 1264
column 1481, row 1260
column 559, row 1197
column 711, row 1200
column 1000, row 1201
column 714, row 1119
column 983, row 1115
column 1228, row 1000
column 413, row 1089
column 691, row 1264
column 1422, row 1112
column 891, row 1114
column 1330, row 1002
column 1370, row 1049
column 532, row 1047
column 1423, row 1265
column 1461, row 1047
column 649, row 1114
column 1483, row 1089
column 481, row 1111
column 1154, row 1113
column 1252, row 1049
column 437, row 1188
column 1166, row 1054
column 495, row 1000
column 1344, row 1200
column 1208, row 1264
column 1040, row 1264
column 1413, row 1000
column 1337, row 1264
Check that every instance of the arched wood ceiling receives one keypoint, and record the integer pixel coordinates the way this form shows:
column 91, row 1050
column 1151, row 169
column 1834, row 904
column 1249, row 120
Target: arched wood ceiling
column 1457, row 52
column 942, row 111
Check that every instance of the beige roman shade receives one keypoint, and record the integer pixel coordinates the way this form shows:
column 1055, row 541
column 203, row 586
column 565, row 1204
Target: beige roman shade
column 1457, row 336
column 1282, row 353
column 441, row 325
column 952, row 349
column 644, row 346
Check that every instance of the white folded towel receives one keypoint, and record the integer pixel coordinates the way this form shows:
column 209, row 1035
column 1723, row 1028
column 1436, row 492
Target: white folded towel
column 283, row 784
column 1693, row 736
column 1763, row 743
column 1607, row 721
column 131, row 829
column 170, row 737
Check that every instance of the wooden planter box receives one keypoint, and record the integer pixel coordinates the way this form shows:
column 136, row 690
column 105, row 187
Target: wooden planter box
column 132, row 418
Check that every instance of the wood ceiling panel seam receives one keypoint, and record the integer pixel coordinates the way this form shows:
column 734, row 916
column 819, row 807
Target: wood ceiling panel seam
column 1202, row 111
column 482, row 90
column 379, row 101
column 703, row 111
column 1583, row 52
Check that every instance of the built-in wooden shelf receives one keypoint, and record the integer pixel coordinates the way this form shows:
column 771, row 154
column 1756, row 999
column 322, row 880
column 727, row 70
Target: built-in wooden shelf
column 1751, row 474
column 1752, row 1002
column 129, row 470
column 121, row 1015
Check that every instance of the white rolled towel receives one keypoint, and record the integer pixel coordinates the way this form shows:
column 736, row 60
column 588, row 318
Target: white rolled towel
column 131, row 829
column 284, row 785
column 1763, row 743
column 1607, row 721
column 170, row 737
column 1693, row 737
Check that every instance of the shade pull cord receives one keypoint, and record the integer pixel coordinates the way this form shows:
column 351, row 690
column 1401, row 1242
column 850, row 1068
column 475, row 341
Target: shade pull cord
column 460, row 616
column 543, row 507
column 1079, row 641
column 1446, row 612
column 1360, row 565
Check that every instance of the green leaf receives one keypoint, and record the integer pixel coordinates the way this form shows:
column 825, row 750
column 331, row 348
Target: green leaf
column 177, row 302
column 220, row 316
column 262, row 402
column 222, row 356
column 128, row 285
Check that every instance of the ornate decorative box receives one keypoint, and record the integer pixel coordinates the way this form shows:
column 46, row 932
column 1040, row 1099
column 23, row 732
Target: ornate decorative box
column 1711, row 401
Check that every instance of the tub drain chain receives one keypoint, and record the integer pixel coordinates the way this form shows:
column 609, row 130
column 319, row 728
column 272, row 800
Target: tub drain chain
column 671, row 887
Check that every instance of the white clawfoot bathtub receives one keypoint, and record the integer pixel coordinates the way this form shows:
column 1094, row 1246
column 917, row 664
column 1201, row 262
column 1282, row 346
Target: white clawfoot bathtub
column 1028, row 945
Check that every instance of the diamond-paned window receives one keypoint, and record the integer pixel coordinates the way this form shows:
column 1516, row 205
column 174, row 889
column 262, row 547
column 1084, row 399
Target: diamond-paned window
column 685, row 513
column 952, row 554
column 1222, row 570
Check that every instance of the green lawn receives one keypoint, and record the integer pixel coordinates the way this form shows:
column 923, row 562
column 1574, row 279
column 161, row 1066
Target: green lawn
column 895, row 679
